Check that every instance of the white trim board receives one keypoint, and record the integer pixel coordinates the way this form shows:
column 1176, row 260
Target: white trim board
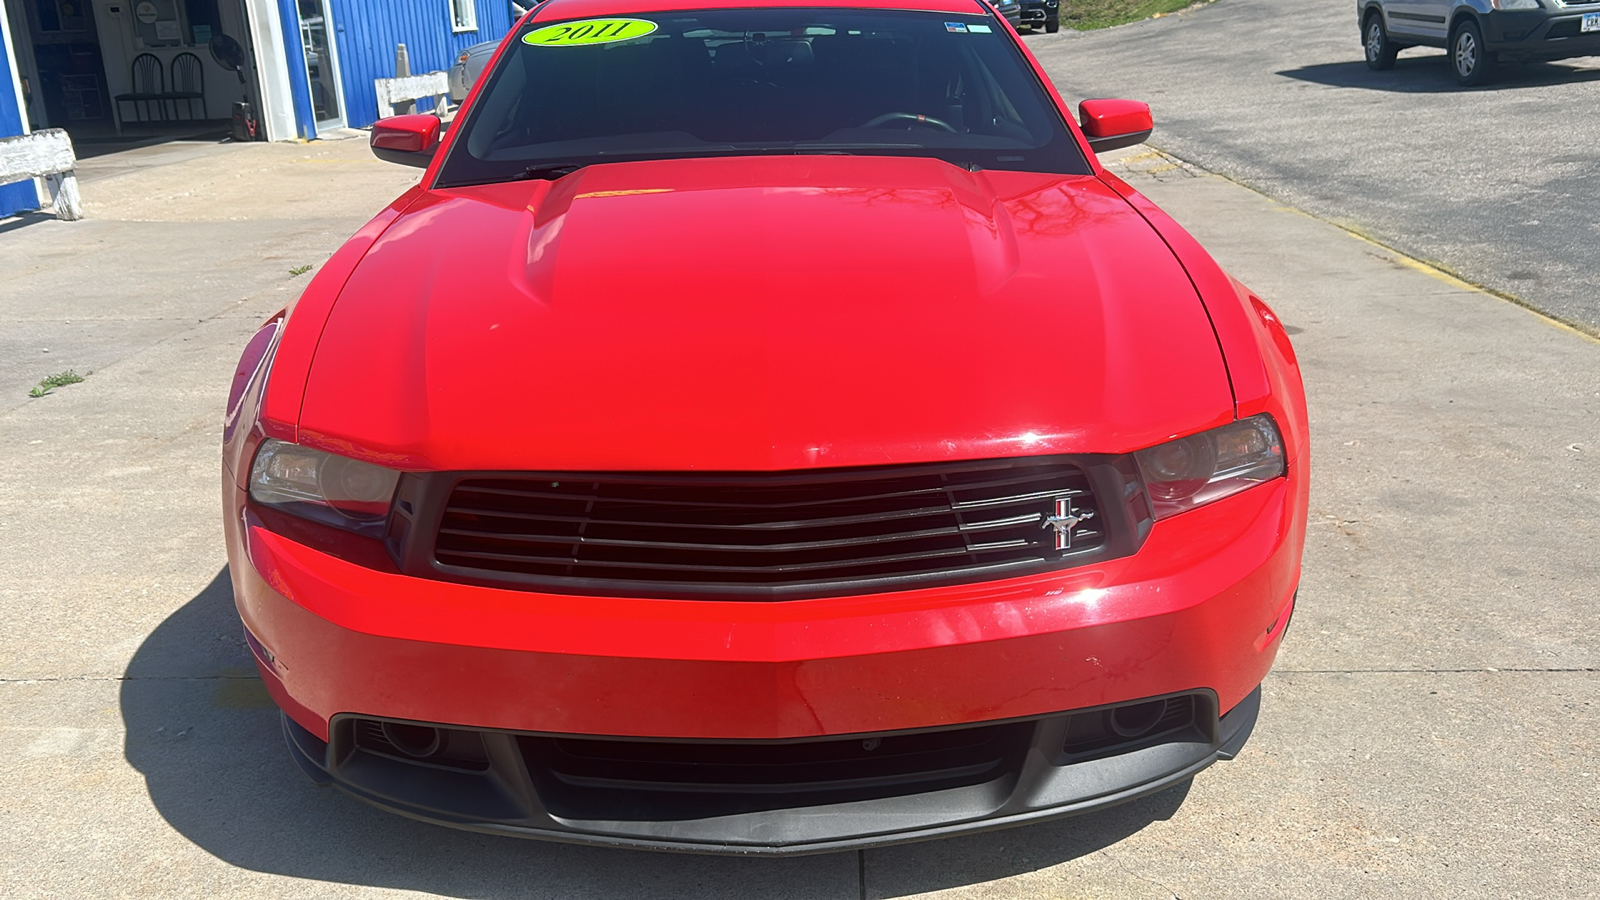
column 272, row 69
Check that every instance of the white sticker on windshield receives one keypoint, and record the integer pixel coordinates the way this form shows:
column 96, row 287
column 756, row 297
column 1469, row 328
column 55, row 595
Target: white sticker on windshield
column 979, row 29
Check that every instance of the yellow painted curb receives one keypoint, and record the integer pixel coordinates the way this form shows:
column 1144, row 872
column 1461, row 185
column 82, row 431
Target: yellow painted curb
column 1446, row 276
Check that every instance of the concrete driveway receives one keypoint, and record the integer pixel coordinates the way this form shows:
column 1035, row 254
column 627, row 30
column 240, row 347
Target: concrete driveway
column 1500, row 185
column 1428, row 731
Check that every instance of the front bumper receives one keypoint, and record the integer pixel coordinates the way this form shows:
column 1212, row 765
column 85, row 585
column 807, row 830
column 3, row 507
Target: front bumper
column 1200, row 605
column 1199, row 610
column 829, row 795
column 1542, row 34
column 1038, row 12
column 459, row 85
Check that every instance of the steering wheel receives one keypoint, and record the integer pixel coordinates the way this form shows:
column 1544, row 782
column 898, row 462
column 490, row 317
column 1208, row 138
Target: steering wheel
column 909, row 119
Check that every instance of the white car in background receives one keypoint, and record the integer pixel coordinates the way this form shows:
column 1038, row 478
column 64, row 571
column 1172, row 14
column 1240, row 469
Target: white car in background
column 1477, row 35
column 468, row 66
column 470, row 62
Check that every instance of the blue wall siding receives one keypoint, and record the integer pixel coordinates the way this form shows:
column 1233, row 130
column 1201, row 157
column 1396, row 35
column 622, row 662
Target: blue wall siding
column 305, row 117
column 14, row 198
column 366, row 32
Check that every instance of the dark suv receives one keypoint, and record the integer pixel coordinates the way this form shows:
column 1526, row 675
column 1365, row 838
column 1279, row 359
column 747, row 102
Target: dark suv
column 1010, row 10
column 1479, row 34
column 1042, row 13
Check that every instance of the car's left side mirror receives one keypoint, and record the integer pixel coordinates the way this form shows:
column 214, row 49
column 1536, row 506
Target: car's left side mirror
column 407, row 140
column 1114, row 124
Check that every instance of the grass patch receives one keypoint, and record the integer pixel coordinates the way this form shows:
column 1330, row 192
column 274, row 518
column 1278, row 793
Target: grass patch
column 1087, row 15
column 61, row 379
column 299, row 270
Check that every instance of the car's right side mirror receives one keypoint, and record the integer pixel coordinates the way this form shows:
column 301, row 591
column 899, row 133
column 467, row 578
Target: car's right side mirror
column 1114, row 124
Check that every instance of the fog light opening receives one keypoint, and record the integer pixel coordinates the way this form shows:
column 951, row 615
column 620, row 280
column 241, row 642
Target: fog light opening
column 1137, row 720
column 415, row 741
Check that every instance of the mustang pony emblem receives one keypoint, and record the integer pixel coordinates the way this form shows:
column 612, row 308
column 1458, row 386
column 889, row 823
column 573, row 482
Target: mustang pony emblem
column 1065, row 520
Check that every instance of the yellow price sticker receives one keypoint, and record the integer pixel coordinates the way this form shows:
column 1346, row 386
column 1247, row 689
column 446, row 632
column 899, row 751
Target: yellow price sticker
column 589, row 31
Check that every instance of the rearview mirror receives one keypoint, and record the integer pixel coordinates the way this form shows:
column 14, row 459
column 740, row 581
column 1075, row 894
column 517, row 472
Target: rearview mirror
column 1114, row 124
column 407, row 140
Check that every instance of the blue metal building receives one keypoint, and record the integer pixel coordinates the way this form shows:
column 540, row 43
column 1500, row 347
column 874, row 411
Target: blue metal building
column 308, row 65
column 343, row 45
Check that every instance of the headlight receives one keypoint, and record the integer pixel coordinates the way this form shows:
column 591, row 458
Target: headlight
column 1201, row 468
column 335, row 490
column 1515, row 4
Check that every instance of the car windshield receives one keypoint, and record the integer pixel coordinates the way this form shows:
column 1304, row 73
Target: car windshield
column 742, row 82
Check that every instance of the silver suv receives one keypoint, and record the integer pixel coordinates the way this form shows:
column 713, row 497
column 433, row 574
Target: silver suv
column 1477, row 35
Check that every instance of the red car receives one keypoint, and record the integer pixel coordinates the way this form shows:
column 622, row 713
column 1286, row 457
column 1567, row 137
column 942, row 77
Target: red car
column 765, row 429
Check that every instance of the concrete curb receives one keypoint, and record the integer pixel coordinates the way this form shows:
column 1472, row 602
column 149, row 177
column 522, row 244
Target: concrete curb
column 1432, row 269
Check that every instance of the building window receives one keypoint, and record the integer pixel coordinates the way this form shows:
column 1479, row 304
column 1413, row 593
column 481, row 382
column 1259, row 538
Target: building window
column 464, row 15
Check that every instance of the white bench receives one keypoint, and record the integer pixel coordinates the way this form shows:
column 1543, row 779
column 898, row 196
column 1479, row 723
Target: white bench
column 413, row 87
column 44, row 154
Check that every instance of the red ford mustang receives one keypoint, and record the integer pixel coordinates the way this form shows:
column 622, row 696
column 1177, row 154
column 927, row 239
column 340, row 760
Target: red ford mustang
column 765, row 429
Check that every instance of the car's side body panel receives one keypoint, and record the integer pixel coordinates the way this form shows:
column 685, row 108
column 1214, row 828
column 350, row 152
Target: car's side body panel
column 280, row 412
column 1262, row 366
column 1415, row 20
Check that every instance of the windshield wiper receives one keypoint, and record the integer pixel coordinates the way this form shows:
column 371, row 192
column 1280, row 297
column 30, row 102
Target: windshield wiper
column 550, row 171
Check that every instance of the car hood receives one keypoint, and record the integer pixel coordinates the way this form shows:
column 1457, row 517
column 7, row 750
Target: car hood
column 763, row 314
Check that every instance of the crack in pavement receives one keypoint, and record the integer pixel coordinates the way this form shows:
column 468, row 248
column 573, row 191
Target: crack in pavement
column 1171, row 894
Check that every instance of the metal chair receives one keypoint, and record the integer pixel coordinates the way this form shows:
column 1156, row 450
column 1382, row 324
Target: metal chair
column 149, row 83
column 188, row 84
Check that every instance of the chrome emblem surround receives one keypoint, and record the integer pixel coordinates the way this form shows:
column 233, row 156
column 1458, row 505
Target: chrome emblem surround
column 1065, row 521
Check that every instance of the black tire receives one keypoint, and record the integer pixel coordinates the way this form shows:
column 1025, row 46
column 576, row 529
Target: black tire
column 1381, row 51
column 1472, row 63
column 1052, row 24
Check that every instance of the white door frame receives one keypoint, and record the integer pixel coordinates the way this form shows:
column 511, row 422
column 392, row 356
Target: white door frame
column 333, row 60
column 271, row 68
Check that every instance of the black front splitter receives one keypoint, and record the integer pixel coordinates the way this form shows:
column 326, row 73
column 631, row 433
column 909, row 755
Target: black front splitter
column 505, row 800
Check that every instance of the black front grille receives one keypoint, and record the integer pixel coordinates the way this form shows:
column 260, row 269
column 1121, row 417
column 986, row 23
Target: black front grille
column 589, row 778
column 767, row 534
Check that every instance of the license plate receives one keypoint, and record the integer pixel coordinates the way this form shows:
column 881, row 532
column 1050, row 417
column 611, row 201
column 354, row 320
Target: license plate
column 1591, row 22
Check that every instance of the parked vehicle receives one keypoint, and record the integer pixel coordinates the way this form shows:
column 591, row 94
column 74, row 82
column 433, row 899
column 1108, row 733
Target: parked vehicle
column 1044, row 14
column 774, row 434
column 1479, row 34
column 468, row 66
column 1010, row 10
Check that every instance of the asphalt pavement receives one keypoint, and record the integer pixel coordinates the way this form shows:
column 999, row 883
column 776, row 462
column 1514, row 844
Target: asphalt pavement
column 1428, row 731
column 1500, row 184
